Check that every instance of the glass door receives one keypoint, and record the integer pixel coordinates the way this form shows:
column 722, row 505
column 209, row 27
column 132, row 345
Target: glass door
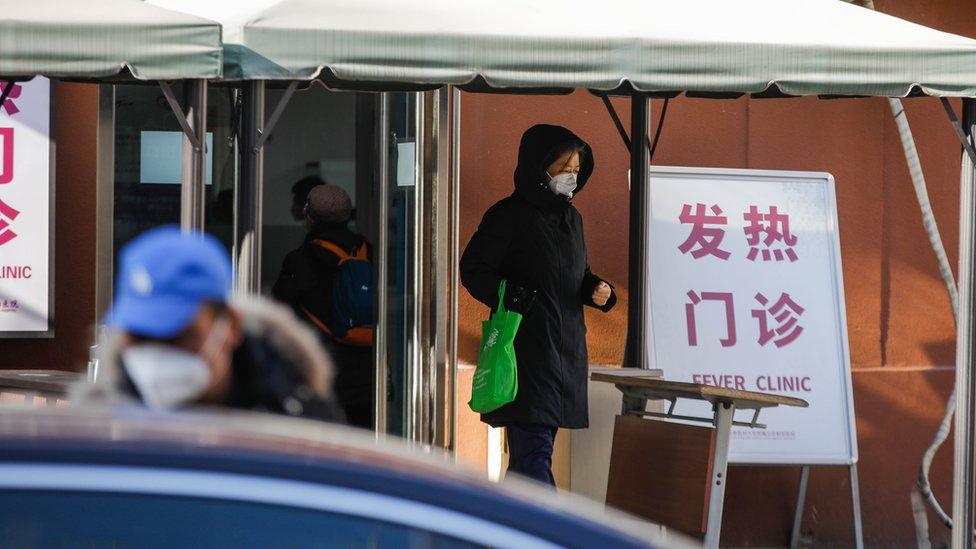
column 398, row 313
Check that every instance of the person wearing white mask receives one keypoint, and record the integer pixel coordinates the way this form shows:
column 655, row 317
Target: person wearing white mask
column 176, row 339
column 534, row 241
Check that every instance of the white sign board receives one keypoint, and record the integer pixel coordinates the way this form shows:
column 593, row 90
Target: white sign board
column 406, row 164
column 25, row 210
column 746, row 292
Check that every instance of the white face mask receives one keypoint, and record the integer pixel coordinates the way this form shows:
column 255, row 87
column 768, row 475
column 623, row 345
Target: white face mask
column 563, row 183
column 169, row 377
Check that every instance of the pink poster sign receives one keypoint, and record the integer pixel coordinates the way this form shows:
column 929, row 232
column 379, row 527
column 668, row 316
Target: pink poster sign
column 25, row 210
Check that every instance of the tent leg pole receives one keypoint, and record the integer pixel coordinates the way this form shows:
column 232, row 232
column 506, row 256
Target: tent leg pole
column 193, row 185
column 962, row 495
column 250, row 194
column 635, row 353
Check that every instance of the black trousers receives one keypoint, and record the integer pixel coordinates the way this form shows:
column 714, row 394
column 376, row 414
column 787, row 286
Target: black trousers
column 353, row 382
column 530, row 451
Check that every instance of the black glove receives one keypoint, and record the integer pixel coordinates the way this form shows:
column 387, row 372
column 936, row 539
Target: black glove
column 519, row 299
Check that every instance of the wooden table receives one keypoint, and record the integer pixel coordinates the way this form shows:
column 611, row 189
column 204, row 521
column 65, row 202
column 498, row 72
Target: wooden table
column 639, row 386
column 48, row 384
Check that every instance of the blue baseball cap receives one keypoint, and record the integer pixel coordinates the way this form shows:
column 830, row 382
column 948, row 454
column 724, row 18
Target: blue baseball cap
column 165, row 277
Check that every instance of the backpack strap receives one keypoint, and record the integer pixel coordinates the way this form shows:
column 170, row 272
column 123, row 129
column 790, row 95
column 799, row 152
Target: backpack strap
column 316, row 320
column 360, row 336
column 361, row 253
column 334, row 248
column 343, row 255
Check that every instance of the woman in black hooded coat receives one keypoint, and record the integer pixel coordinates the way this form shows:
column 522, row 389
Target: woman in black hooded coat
column 533, row 239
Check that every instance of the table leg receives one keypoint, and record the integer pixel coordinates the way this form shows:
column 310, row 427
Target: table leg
column 723, row 431
column 631, row 403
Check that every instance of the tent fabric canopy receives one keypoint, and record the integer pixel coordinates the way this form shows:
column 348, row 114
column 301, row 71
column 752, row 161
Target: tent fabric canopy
column 105, row 38
column 799, row 47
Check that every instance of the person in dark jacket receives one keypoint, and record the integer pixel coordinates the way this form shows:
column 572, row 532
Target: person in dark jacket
column 306, row 285
column 533, row 239
column 176, row 340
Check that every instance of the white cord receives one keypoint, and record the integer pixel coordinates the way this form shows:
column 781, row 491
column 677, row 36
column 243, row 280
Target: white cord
column 922, row 491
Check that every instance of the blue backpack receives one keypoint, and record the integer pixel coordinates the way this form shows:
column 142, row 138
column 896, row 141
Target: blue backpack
column 351, row 315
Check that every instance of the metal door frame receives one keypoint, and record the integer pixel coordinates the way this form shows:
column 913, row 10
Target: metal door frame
column 430, row 375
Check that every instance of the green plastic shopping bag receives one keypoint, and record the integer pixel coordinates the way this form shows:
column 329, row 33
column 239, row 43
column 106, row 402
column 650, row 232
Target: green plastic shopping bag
column 495, row 381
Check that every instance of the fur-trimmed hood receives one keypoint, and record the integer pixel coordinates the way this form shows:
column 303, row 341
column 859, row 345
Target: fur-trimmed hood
column 268, row 320
column 261, row 319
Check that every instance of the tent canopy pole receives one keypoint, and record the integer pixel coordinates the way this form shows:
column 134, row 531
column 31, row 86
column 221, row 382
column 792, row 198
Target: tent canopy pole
column 962, row 496
column 250, row 206
column 635, row 352
column 616, row 121
column 193, row 122
column 960, row 132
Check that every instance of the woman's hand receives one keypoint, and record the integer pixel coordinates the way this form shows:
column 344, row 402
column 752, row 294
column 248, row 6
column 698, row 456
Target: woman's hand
column 601, row 294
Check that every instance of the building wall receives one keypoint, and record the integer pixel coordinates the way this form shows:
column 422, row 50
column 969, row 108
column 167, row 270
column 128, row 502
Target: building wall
column 75, row 131
column 900, row 325
column 901, row 330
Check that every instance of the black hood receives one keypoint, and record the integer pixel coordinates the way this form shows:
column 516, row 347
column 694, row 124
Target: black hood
column 536, row 151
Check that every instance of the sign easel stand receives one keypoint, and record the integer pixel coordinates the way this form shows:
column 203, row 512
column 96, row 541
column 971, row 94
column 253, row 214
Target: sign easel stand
column 801, row 497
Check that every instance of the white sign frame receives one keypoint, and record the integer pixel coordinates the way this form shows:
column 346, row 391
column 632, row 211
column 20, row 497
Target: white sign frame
column 49, row 332
column 660, row 173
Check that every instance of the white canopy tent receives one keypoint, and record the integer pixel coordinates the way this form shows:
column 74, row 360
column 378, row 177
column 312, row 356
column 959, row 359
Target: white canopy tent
column 105, row 38
column 802, row 47
column 114, row 41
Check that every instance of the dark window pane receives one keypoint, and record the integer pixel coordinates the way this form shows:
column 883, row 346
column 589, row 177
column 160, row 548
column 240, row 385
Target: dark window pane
column 148, row 162
column 145, row 195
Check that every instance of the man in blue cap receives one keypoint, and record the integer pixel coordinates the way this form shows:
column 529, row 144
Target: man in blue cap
column 179, row 341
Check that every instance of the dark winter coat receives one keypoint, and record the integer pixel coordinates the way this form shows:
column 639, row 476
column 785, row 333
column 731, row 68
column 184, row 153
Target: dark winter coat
column 534, row 239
